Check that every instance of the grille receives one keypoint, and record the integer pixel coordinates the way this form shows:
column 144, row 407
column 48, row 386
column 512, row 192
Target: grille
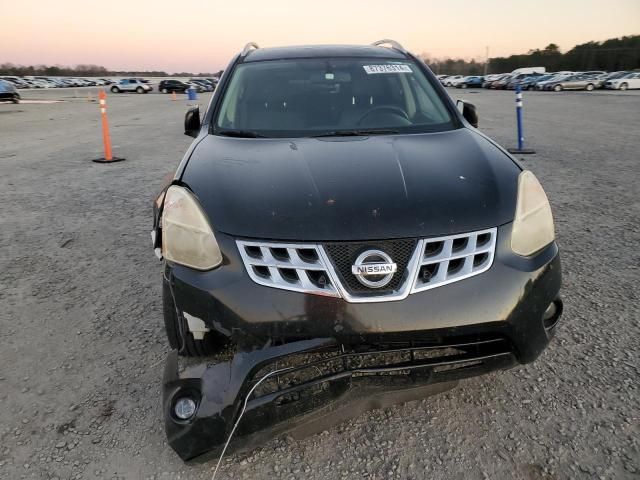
column 452, row 258
column 287, row 266
column 326, row 269
column 343, row 256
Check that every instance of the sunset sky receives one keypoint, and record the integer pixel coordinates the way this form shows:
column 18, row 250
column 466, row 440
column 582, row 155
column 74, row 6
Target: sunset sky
column 203, row 35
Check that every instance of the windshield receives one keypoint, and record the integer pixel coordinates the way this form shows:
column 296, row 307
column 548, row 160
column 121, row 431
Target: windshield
column 311, row 97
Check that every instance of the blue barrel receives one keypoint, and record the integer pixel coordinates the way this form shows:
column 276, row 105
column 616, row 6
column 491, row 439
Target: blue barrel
column 191, row 92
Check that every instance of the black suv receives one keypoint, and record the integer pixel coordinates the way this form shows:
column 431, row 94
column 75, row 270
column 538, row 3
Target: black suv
column 340, row 228
column 170, row 86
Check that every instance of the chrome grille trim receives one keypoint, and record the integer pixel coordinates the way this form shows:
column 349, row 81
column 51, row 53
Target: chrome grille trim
column 447, row 259
column 269, row 260
column 446, row 255
column 400, row 294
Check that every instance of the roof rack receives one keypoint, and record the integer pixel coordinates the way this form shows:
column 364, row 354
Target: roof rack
column 248, row 47
column 393, row 44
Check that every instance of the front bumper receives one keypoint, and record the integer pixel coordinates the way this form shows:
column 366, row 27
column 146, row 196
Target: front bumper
column 329, row 352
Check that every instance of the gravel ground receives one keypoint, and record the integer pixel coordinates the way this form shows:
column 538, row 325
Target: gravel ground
column 82, row 342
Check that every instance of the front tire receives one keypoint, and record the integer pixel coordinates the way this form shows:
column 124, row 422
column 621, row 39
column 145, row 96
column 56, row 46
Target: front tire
column 139, row 90
column 115, row 90
column 624, row 86
column 179, row 336
column 557, row 88
column 464, row 85
column 589, row 87
column 164, row 90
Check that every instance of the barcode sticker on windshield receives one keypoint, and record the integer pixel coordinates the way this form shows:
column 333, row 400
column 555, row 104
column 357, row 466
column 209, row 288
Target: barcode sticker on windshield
column 371, row 69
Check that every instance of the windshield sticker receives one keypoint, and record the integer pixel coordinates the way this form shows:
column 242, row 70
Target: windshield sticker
column 372, row 69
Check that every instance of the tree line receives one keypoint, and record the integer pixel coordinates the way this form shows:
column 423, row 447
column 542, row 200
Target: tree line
column 87, row 71
column 610, row 55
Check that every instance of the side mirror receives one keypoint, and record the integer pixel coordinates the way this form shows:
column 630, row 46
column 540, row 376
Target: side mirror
column 192, row 122
column 469, row 112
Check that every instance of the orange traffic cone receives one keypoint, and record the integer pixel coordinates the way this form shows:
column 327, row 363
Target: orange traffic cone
column 106, row 138
column 173, row 96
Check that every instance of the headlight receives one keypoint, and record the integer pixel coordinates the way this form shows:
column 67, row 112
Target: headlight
column 533, row 223
column 187, row 238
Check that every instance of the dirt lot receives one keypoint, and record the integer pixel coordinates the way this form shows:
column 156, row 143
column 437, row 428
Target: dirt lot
column 82, row 342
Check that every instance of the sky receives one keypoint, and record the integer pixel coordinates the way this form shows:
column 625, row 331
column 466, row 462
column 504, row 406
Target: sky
column 202, row 36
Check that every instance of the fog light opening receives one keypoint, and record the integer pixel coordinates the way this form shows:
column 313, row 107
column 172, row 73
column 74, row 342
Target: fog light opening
column 552, row 315
column 184, row 408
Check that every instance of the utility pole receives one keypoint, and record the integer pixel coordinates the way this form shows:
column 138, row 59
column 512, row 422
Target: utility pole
column 486, row 63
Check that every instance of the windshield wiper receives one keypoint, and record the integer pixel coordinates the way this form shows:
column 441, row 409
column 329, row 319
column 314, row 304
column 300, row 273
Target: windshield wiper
column 240, row 133
column 357, row 133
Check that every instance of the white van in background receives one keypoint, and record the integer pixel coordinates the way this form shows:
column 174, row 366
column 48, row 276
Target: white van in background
column 529, row 70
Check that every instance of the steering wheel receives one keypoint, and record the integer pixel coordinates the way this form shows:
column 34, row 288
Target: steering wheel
column 388, row 108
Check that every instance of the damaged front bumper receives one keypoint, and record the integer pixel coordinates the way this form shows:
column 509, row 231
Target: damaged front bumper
column 333, row 358
column 318, row 383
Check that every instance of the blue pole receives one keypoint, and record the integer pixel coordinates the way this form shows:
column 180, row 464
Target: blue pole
column 520, row 148
column 519, row 116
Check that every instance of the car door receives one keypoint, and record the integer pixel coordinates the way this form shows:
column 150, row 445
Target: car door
column 580, row 83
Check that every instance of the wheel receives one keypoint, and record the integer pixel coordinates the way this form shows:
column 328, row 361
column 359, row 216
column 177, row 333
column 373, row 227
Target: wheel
column 464, row 85
column 164, row 90
column 557, row 88
column 139, row 90
column 181, row 338
column 115, row 90
column 15, row 100
column 589, row 87
column 624, row 86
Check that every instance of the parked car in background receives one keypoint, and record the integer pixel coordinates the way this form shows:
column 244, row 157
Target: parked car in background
column 574, row 82
column 452, row 80
column 546, row 84
column 16, row 81
column 171, row 86
column 489, row 80
column 518, row 79
column 131, row 85
column 630, row 81
column 615, row 75
column 471, row 81
column 530, row 83
column 199, row 88
column 206, row 86
column 529, row 70
column 8, row 92
column 501, row 83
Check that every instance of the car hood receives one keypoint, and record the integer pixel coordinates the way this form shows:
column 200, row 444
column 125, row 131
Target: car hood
column 353, row 188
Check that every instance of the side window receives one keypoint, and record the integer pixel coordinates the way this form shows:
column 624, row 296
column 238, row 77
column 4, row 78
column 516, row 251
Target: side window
column 133, row 80
column 124, row 82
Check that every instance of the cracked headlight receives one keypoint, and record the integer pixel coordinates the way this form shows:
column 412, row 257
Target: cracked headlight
column 533, row 224
column 187, row 237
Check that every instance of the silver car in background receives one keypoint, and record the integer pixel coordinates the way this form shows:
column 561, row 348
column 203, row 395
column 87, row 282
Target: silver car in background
column 574, row 82
column 131, row 85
